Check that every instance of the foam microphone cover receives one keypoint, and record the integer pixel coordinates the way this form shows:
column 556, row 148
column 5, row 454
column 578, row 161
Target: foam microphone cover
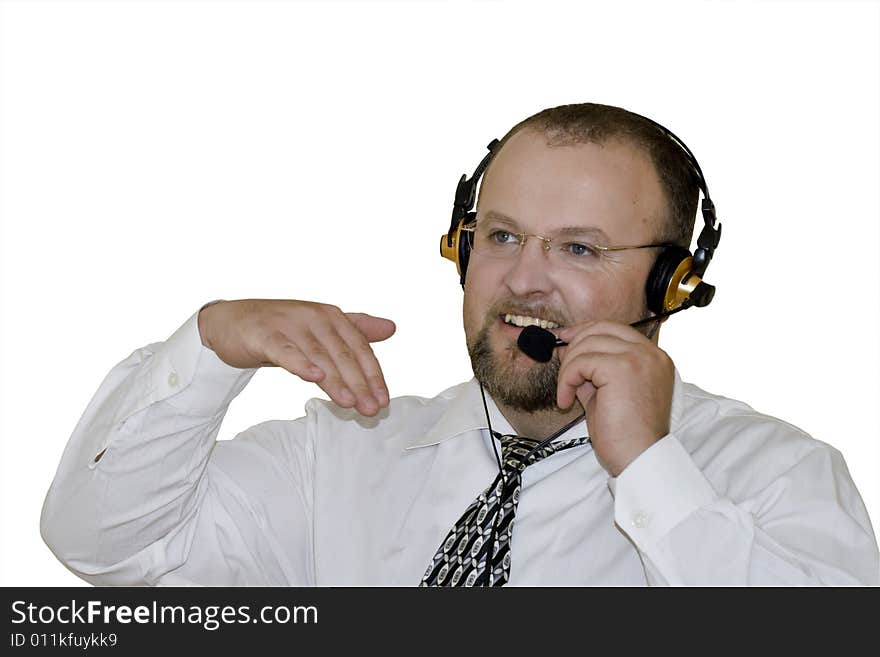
column 537, row 343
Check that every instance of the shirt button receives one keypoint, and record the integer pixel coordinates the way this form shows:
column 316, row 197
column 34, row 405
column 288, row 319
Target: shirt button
column 172, row 379
column 640, row 519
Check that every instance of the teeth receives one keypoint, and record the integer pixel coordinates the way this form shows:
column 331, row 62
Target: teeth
column 522, row 320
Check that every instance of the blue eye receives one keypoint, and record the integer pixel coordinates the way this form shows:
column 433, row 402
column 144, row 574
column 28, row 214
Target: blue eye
column 579, row 250
column 502, row 237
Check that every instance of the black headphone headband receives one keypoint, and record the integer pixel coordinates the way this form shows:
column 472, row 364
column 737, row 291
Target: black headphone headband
column 709, row 237
column 677, row 275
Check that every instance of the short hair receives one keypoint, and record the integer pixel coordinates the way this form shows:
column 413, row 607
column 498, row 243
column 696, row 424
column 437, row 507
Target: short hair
column 592, row 123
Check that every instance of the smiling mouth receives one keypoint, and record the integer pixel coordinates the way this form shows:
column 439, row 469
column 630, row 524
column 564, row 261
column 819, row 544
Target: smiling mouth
column 526, row 320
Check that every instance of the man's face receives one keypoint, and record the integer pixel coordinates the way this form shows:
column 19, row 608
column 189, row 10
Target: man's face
column 540, row 190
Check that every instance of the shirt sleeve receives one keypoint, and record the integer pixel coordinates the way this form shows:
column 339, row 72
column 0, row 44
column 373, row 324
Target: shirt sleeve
column 805, row 525
column 145, row 495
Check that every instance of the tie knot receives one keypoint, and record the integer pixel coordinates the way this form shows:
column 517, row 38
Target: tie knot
column 517, row 452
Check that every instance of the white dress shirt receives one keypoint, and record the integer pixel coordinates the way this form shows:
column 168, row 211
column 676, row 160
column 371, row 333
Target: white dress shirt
column 729, row 496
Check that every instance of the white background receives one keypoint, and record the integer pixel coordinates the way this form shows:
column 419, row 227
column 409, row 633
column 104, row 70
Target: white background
column 158, row 155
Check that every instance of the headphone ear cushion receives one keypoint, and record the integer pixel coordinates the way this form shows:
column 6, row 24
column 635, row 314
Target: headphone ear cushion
column 661, row 276
column 464, row 245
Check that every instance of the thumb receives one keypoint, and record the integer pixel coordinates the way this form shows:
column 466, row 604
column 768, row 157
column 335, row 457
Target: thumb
column 375, row 329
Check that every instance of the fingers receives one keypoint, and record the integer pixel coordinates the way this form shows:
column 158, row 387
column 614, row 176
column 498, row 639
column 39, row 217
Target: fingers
column 591, row 360
column 313, row 367
column 366, row 360
column 375, row 329
column 603, row 327
column 349, row 371
column 581, row 359
column 291, row 358
column 344, row 380
column 595, row 343
column 589, row 344
column 580, row 372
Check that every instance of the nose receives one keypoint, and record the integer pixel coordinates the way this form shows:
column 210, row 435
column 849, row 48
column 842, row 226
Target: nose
column 530, row 270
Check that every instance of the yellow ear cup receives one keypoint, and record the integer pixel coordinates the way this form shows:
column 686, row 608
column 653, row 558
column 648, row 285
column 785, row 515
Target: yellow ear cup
column 450, row 252
column 681, row 285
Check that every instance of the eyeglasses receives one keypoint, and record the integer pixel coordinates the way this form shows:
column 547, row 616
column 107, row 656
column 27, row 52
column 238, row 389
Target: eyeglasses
column 500, row 243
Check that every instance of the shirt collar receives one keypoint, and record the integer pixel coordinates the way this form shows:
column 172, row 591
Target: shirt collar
column 465, row 413
column 675, row 416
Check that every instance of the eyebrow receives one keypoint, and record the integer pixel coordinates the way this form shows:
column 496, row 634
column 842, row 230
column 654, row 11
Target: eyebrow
column 596, row 234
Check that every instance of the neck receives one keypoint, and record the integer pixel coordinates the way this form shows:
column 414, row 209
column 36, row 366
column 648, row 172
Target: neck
column 540, row 424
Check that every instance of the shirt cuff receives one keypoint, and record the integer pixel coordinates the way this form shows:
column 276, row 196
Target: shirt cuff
column 192, row 377
column 657, row 491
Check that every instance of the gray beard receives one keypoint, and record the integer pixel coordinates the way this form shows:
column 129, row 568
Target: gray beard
column 533, row 392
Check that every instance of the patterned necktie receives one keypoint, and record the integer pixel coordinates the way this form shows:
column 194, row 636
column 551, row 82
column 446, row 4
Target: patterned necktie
column 461, row 559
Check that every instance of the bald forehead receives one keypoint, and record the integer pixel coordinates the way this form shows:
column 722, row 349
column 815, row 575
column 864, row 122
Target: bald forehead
column 618, row 150
column 613, row 182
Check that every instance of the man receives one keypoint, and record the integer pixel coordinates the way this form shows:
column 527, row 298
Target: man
column 673, row 486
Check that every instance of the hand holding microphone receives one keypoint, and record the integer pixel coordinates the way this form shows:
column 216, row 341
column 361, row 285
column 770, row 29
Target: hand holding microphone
column 622, row 379
column 539, row 343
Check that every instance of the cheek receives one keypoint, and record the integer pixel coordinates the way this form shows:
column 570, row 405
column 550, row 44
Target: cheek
column 468, row 313
column 473, row 310
column 478, row 297
column 602, row 297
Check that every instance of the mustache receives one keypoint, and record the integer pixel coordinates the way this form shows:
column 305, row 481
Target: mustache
column 529, row 309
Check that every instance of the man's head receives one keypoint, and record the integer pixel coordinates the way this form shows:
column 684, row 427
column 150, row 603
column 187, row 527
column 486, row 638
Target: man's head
column 588, row 167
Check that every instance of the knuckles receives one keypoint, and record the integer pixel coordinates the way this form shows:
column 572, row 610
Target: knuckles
column 639, row 361
column 346, row 355
column 331, row 311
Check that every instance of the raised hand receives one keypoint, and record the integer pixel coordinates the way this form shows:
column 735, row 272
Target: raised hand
column 315, row 341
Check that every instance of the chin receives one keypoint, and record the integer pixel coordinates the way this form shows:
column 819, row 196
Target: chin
column 510, row 376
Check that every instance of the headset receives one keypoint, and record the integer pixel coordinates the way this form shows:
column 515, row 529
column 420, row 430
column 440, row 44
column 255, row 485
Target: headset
column 676, row 280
